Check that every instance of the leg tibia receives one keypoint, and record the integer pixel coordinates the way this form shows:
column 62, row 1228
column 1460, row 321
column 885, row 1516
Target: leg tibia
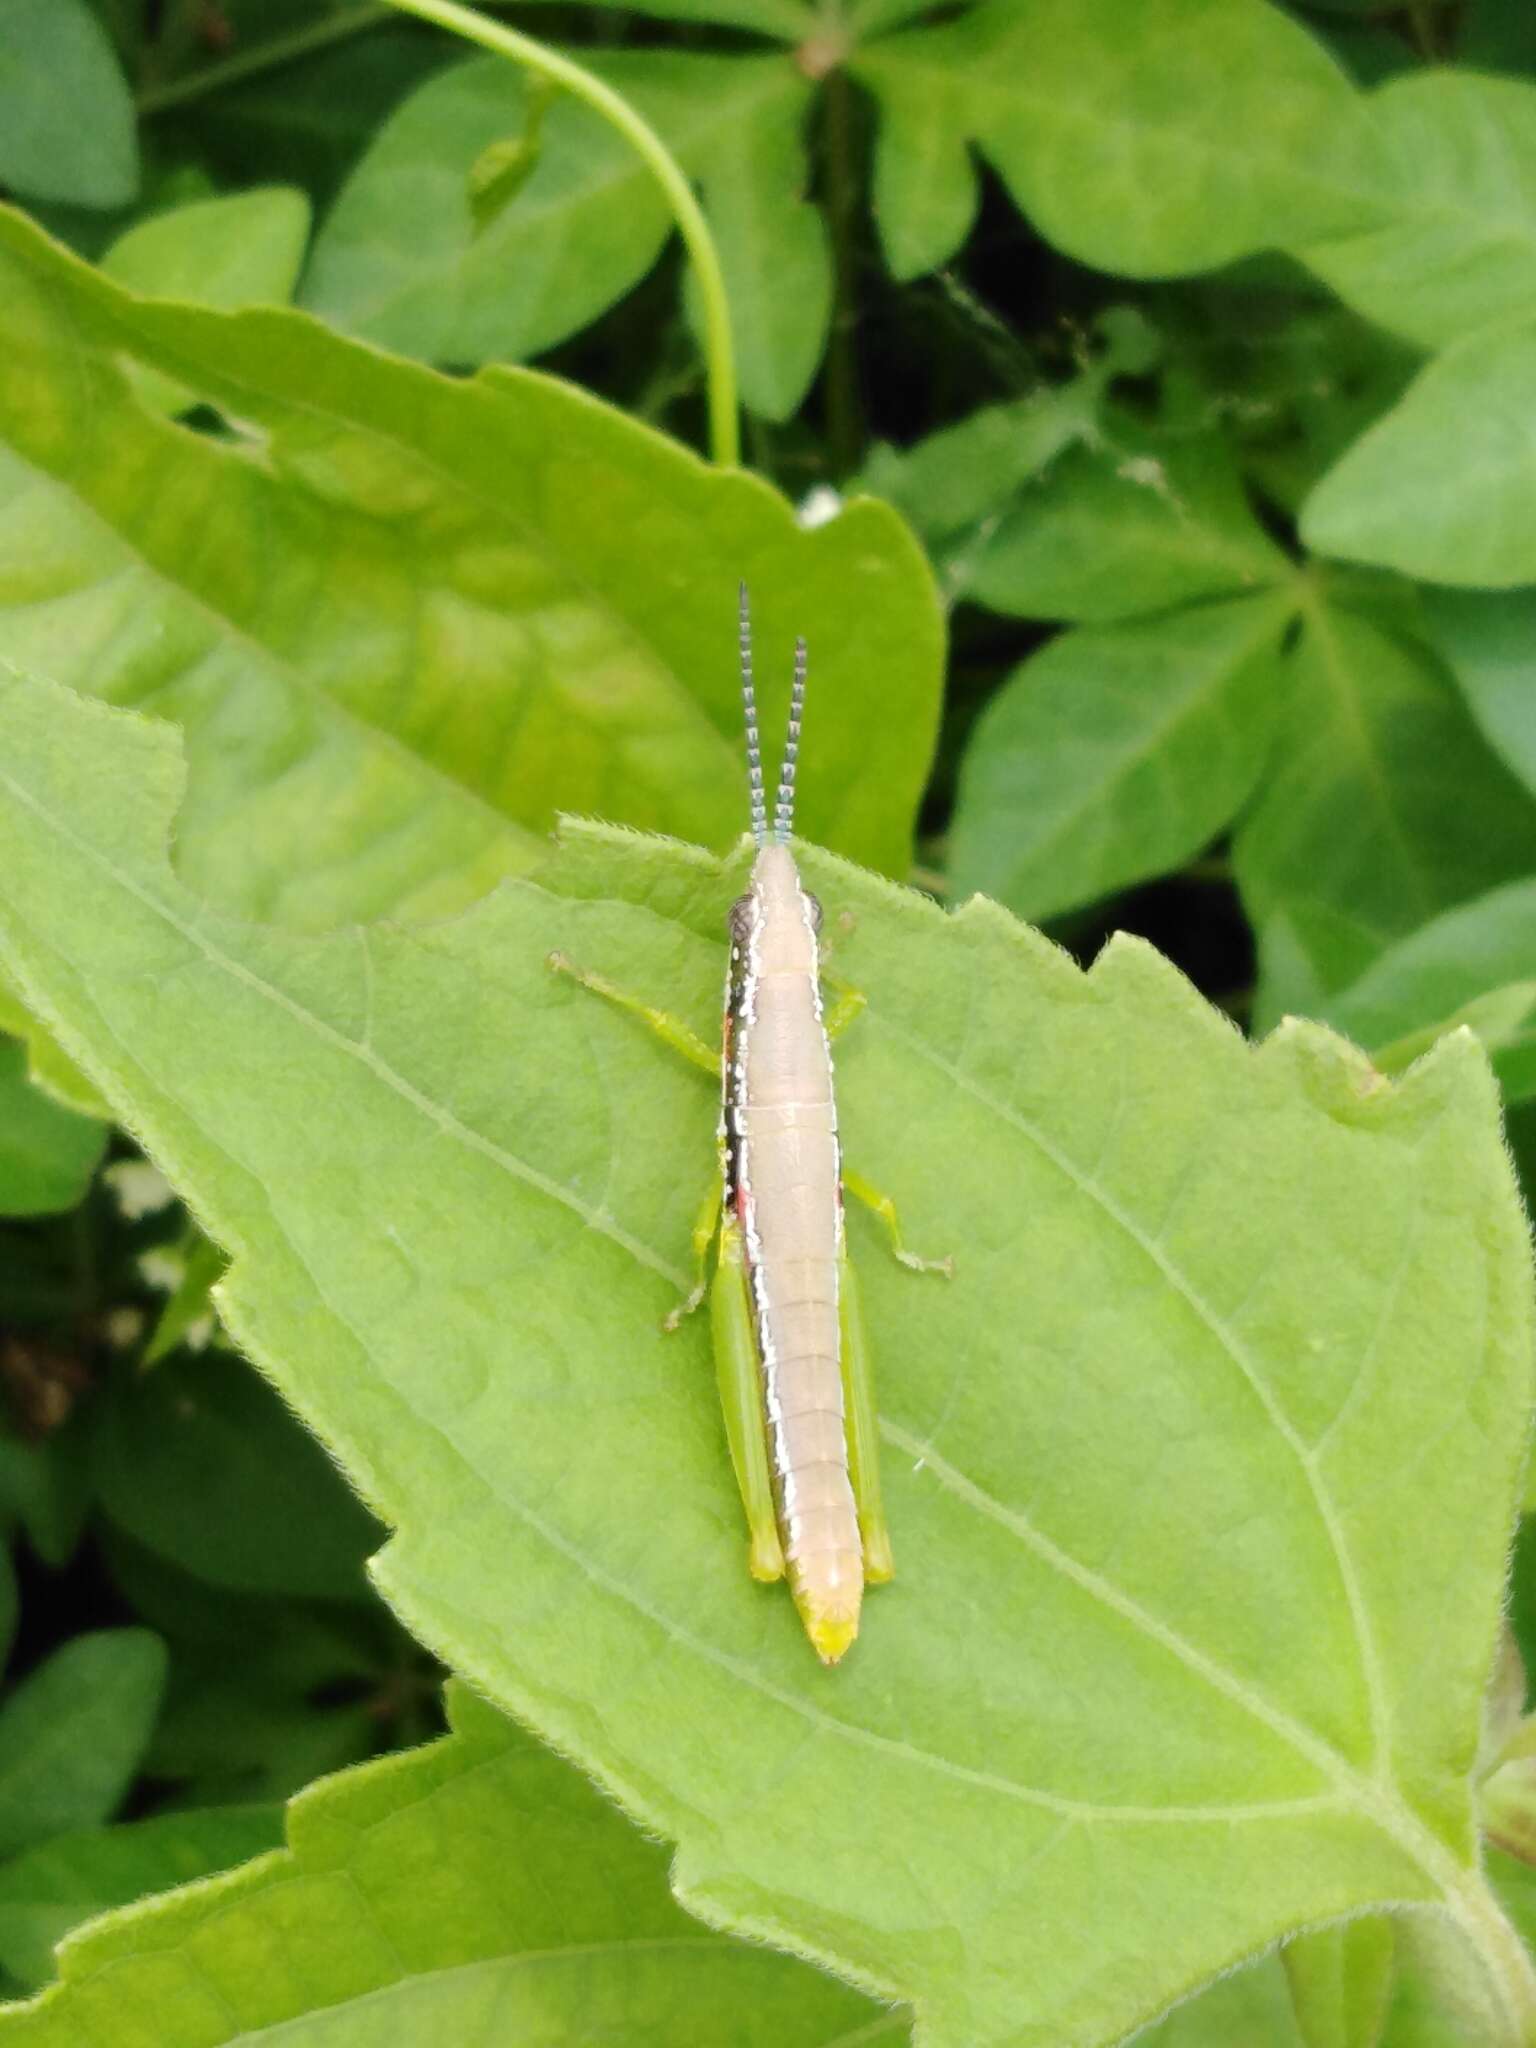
column 862, row 1427
column 741, row 1398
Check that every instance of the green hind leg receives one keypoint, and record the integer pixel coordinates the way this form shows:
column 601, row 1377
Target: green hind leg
column 862, row 1428
column 741, row 1398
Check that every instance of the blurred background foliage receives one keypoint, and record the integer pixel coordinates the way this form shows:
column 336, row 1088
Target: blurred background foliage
column 1220, row 451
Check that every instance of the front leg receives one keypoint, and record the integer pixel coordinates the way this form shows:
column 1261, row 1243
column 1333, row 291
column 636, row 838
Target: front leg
column 669, row 1029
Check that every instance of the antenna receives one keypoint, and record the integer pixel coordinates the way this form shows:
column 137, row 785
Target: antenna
column 749, row 712
column 784, row 807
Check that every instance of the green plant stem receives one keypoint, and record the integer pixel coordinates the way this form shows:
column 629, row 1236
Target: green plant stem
column 156, row 99
column 719, row 352
column 1502, row 1953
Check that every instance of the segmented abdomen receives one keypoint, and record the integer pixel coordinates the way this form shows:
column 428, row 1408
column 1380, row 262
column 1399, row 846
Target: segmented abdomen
column 787, row 1192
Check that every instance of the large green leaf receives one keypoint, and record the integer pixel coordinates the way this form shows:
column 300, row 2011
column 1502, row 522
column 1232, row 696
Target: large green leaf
column 1065, row 1777
column 72, row 1878
column 66, row 117
column 477, row 1889
column 1116, row 753
column 406, row 619
column 72, row 1734
column 1444, row 487
column 1168, row 137
column 1488, row 638
column 1458, row 251
column 402, row 259
column 47, row 1153
column 1384, row 806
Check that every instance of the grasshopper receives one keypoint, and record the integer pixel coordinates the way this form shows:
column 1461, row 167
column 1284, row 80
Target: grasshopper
column 794, row 1368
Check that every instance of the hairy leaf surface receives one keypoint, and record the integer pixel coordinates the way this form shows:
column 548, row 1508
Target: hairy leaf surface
column 1151, row 1688
column 476, row 1889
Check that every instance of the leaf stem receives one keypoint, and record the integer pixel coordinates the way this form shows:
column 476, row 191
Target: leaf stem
column 1502, row 1953
column 719, row 351
column 279, row 50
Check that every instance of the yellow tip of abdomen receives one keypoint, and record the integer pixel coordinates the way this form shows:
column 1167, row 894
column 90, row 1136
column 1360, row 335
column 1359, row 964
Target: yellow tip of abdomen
column 829, row 1639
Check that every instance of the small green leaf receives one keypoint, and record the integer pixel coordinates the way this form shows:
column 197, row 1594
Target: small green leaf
column 408, row 619
column 74, row 1877
column 241, row 250
column 1159, row 1630
column 72, row 1734
column 66, row 116
column 1488, row 639
column 1341, row 1981
column 1144, row 524
column 191, row 1301
column 1470, row 965
column 1384, row 807
column 403, row 260
column 1116, row 753
column 47, row 1062
column 477, row 1889
column 1458, row 251
column 1170, row 137
column 201, row 1461
column 1444, row 487
column 47, row 1153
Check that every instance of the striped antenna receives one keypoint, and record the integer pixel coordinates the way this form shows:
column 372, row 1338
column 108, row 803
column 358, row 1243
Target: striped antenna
column 749, row 712
column 784, row 808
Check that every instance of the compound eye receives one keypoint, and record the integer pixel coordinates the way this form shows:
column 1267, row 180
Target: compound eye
column 739, row 923
column 815, row 908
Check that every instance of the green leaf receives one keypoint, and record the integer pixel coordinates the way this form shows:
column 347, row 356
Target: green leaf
column 1116, row 753
column 72, row 1733
column 191, row 1300
column 47, row 1153
column 403, row 260
column 407, row 619
column 241, row 250
column 1459, row 250
column 1145, row 524
column 1488, row 640
column 66, row 116
column 1444, row 487
column 245, row 249
column 457, row 1191
column 1470, row 965
column 1383, row 808
column 475, row 1889
column 54, row 1887
column 47, row 1062
column 1341, row 1981
column 200, row 1460
column 1166, row 138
